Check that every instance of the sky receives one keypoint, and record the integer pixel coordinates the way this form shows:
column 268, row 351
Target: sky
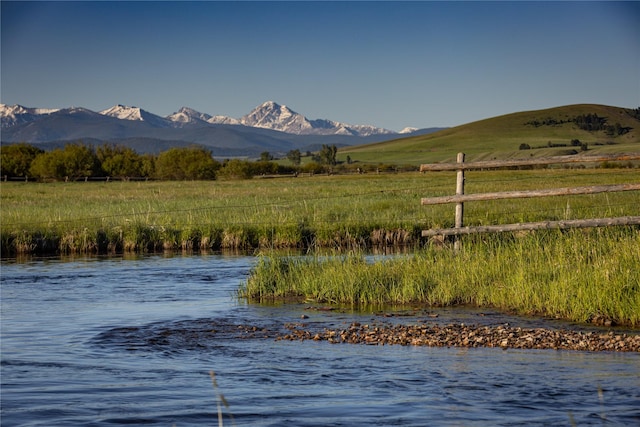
column 389, row 64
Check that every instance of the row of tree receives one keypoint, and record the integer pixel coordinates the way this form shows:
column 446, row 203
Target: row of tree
column 79, row 160
column 593, row 122
column 574, row 143
column 589, row 122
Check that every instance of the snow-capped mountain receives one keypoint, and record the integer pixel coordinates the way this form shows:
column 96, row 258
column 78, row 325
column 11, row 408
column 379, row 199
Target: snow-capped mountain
column 224, row 120
column 189, row 115
column 271, row 115
column 11, row 115
column 408, row 130
column 124, row 112
column 186, row 115
column 268, row 127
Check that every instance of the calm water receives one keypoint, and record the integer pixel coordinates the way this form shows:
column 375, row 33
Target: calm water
column 114, row 341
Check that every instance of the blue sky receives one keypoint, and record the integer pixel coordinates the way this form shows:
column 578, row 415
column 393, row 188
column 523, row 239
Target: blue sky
column 390, row 64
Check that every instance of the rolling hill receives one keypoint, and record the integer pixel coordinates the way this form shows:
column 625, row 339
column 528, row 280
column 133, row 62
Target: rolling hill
column 547, row 132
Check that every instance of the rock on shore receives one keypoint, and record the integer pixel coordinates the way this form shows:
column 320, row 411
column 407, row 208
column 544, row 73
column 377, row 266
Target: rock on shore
column 462, row 335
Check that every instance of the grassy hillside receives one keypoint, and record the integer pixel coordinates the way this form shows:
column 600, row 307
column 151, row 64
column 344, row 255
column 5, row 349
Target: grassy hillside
column 501, row 137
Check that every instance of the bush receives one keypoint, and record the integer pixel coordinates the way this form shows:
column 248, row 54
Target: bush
column 312, row 167
column 16, row 159
column 120, row 161
column 72, row 161
column 190, row 163
column 235, row 169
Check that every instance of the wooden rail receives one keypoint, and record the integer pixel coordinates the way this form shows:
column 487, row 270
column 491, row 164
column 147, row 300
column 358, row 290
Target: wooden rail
column 496, row 164
column 460, row 198
column 542, row 225
column 569, row 191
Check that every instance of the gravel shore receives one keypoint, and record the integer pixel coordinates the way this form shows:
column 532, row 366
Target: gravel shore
column 463, row 335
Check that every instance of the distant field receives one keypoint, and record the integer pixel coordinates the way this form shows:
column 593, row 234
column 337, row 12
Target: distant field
column 501, row 137
column 320, row 211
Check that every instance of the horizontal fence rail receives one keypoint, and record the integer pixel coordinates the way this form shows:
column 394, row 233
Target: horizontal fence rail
column 569, row 191
column 460, row 198
column 496, row 164
column 542, row 225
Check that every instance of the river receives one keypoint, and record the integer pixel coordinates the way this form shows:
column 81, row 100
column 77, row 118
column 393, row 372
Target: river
column 114, row 340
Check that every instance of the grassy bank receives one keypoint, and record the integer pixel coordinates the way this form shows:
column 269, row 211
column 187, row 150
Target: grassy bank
column 580, row 275
column 353, row 211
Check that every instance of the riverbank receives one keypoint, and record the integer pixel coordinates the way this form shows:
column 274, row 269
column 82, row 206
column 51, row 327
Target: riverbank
column 462, row 335
column 578, row 275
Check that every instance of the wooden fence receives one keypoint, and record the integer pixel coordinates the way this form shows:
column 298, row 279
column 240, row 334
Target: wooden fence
column 460, row 197
column 7, row 178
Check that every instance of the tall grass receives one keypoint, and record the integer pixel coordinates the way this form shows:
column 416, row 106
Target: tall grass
column 576, row 275
column 321, row 211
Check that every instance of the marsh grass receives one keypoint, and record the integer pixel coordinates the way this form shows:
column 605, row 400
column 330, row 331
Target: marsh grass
column 348, row 212
column 577, row 275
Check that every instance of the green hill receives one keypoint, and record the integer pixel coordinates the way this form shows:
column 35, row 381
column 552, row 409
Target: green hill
column 599, row 129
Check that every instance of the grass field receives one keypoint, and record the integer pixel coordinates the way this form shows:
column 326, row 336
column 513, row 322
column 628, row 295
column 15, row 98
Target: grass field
column 320, row 211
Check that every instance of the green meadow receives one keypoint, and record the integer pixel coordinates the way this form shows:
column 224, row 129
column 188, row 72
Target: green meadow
column 340, row 211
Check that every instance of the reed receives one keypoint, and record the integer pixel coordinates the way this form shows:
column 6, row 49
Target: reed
column 579, row 275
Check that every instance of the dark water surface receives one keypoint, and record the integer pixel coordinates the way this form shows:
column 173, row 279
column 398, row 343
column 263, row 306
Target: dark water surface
column 107, row 341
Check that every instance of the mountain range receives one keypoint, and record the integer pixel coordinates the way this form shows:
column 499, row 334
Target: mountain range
column 268, row 127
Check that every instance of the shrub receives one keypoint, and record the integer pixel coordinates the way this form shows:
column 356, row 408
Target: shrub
column 189, row 163
column 16, row 159
column 72, row 161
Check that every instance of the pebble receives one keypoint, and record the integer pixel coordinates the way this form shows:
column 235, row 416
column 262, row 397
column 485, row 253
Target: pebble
column 463, row 335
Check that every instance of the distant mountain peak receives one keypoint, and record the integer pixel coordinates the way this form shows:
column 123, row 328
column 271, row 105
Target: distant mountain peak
column 124, row 112
column 268, row 115
column 188, row 115
column 11, row 115
column 408, row 130
column 270, row 104
column 271, row 115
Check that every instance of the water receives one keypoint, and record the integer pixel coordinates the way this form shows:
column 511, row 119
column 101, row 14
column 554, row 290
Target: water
column 104, row 341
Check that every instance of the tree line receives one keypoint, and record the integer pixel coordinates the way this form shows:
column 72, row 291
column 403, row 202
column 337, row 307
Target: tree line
column 77, row 160
column 589, row 122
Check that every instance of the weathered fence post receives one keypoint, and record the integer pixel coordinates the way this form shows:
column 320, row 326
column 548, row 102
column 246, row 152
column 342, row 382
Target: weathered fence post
column 459, row 206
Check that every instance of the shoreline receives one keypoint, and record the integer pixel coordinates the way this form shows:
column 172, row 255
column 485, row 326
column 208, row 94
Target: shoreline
column 332, row 329
column 469, row 336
